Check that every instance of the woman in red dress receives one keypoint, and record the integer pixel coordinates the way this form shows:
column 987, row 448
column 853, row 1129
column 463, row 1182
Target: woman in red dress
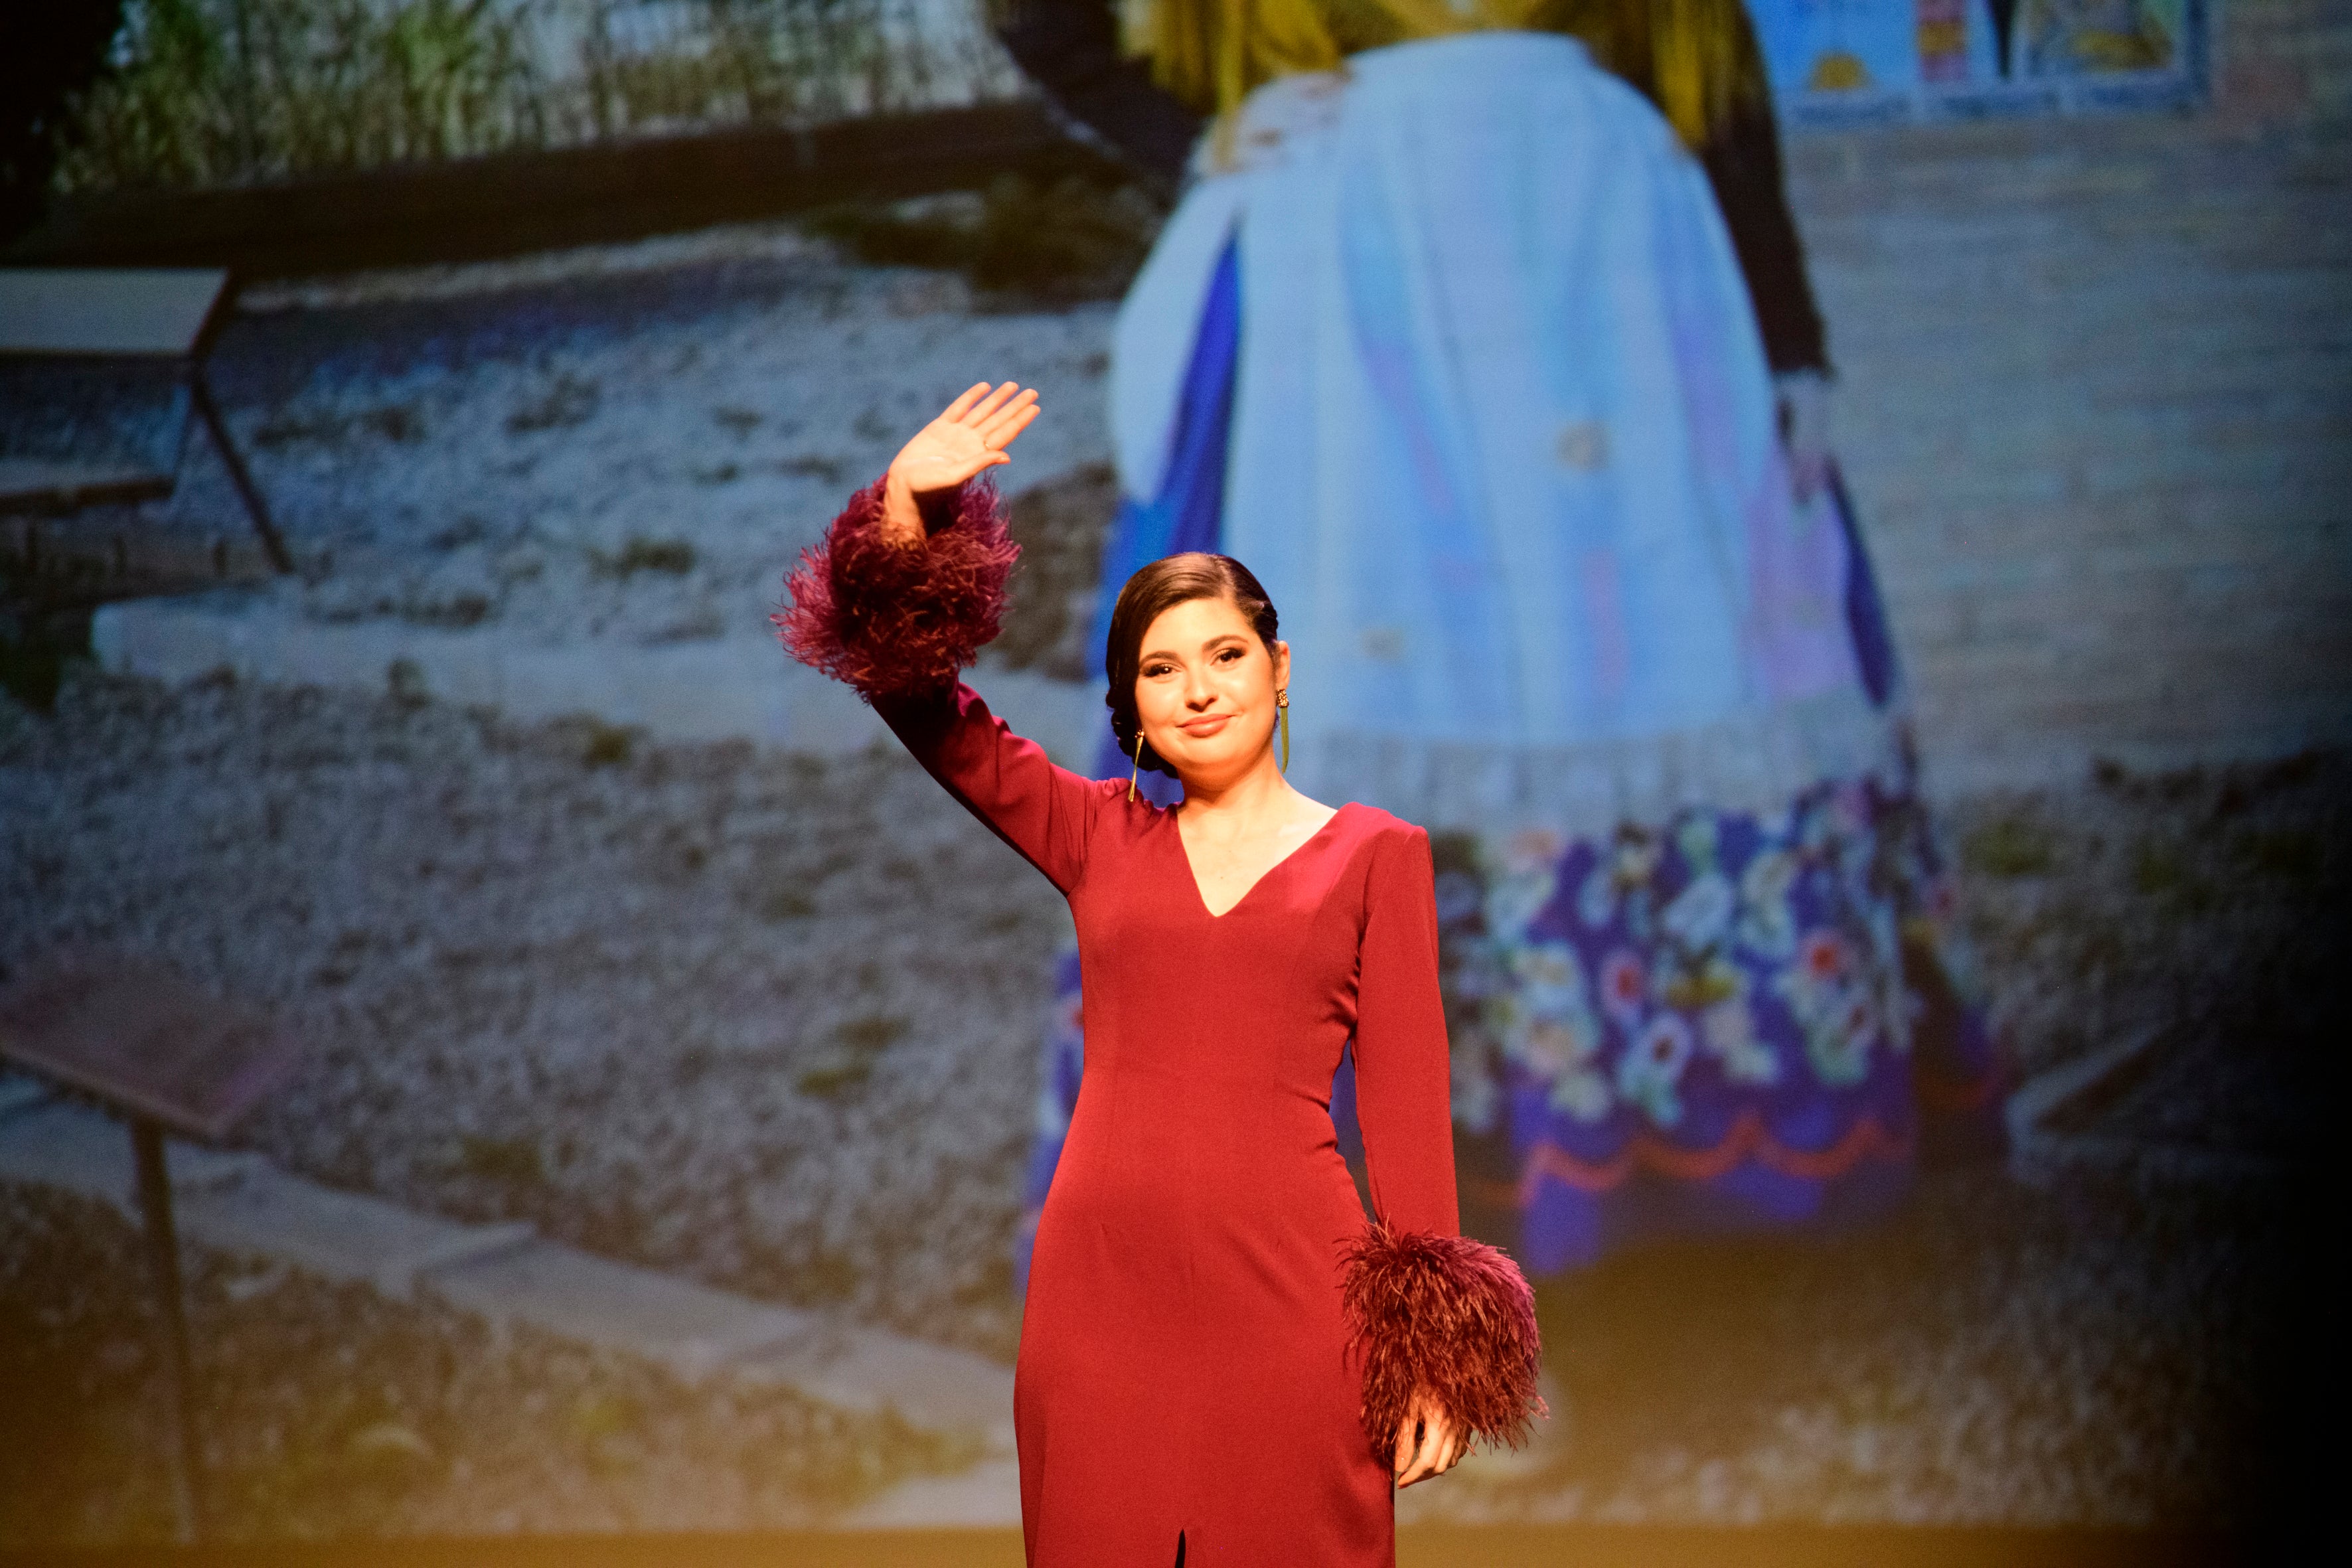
column 1223, row 1361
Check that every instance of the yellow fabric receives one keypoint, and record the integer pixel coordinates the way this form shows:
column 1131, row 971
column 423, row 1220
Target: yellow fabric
column 1696, row 59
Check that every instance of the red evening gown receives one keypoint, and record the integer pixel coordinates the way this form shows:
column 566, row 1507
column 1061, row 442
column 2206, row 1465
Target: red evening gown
column 1213, row 1329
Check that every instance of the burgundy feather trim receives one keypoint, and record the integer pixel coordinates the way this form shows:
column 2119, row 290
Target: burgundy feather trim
column 898, row 621
column 1446, row 1315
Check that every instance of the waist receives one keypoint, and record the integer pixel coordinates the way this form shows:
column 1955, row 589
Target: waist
column 1138, row 1184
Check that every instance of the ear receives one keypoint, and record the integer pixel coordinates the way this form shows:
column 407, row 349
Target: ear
column 1281, row 664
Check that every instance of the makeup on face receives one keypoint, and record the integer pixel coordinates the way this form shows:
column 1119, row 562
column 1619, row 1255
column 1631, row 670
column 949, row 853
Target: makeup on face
column 1203, row 668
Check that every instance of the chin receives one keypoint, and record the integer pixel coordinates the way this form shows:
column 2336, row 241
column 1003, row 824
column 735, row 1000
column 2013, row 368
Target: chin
column 1213, row 757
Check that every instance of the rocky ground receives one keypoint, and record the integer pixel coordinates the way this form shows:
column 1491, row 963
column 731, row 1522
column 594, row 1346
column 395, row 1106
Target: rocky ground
column 2205, row 911
column 2106, row 1353
column 772, row 1021
column 331, row 1411
column 629, row 442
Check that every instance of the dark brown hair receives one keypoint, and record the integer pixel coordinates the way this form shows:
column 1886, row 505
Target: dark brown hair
column 1156, row 589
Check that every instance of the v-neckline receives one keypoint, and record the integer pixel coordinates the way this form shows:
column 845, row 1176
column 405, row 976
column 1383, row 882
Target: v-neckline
column 1195, row 877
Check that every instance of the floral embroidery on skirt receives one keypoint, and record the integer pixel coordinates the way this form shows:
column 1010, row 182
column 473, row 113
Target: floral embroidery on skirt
column 1757, row 1011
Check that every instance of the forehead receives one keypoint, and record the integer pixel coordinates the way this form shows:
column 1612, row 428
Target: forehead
column 1196, row 622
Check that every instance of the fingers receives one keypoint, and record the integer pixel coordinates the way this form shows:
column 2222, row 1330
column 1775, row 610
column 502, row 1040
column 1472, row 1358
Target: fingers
column 1408, row 1437
column 1438, row 1449
column 1010, row 422
column 995, row 414
column 1419, row 1440
column 1442, row 1448
column 1424, row 1455
column 962, row 406
column 979, row 413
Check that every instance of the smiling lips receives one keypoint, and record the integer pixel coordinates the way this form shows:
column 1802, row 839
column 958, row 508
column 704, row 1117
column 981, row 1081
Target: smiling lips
column 1207, row 724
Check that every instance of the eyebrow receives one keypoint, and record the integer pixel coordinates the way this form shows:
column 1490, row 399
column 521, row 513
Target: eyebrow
column 1221, row 639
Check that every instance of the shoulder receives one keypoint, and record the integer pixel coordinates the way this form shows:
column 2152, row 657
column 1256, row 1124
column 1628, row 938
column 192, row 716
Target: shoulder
column 1372, row 825
column 1388, row 842
column 1114, row 809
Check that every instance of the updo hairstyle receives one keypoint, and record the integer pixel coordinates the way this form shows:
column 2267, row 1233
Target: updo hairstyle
column 1163, row 585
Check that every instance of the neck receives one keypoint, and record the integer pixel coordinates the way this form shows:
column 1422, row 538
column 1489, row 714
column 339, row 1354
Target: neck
column 1257, row 789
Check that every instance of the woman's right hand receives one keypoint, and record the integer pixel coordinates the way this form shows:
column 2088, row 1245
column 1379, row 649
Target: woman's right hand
column 970, row 437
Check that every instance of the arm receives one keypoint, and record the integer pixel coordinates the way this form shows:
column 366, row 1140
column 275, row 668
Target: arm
column 1070, row 49
column 1044, row 812
column 906, row 589
column 1401, row 1074
column 1446, row 1326
column 1742, row 159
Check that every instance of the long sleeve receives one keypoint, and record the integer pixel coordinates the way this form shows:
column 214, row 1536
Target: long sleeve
column 1403, row 1078
column 1044, row 812
column 897, row 622
column 1070, row 49
column 1429, row 1312
column 1743, row 163
column 891, row 620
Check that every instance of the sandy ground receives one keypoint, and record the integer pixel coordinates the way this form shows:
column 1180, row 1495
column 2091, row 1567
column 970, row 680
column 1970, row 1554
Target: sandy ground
column 772, row 1022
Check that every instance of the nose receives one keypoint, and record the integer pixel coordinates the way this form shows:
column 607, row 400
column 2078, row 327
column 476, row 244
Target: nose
column 1197, row 693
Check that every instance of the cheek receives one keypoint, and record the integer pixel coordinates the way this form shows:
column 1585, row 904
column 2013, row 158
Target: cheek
column 1248, row 688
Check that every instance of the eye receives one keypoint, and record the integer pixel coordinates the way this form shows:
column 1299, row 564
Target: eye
column 1226, row 656
column 1153, row 671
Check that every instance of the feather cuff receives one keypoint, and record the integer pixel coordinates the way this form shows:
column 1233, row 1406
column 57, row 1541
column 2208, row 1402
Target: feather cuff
column 894, row 621
column 1448, row 1316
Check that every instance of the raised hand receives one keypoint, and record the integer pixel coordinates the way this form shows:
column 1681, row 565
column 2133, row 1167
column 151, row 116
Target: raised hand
column 968, row 437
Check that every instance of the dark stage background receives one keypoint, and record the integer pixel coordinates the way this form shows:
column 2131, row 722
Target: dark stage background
column 670, row 1046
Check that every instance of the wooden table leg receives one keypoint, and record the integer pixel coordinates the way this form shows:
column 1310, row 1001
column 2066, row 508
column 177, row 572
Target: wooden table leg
column 250, row 493
column 163, row 1270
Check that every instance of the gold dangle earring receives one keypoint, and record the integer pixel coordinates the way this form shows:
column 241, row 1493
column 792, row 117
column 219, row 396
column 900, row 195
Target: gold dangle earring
column 1139, row 761
column 1282, row 706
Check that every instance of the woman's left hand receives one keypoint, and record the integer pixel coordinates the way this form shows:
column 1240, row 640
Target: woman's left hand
column 1440, row 1446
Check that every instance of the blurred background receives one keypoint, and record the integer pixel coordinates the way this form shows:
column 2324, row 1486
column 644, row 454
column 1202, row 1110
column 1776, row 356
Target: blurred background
column 671, row 1051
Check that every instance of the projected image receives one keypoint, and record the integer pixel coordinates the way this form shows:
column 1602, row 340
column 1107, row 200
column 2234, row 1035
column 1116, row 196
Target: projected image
column 1727, row 924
